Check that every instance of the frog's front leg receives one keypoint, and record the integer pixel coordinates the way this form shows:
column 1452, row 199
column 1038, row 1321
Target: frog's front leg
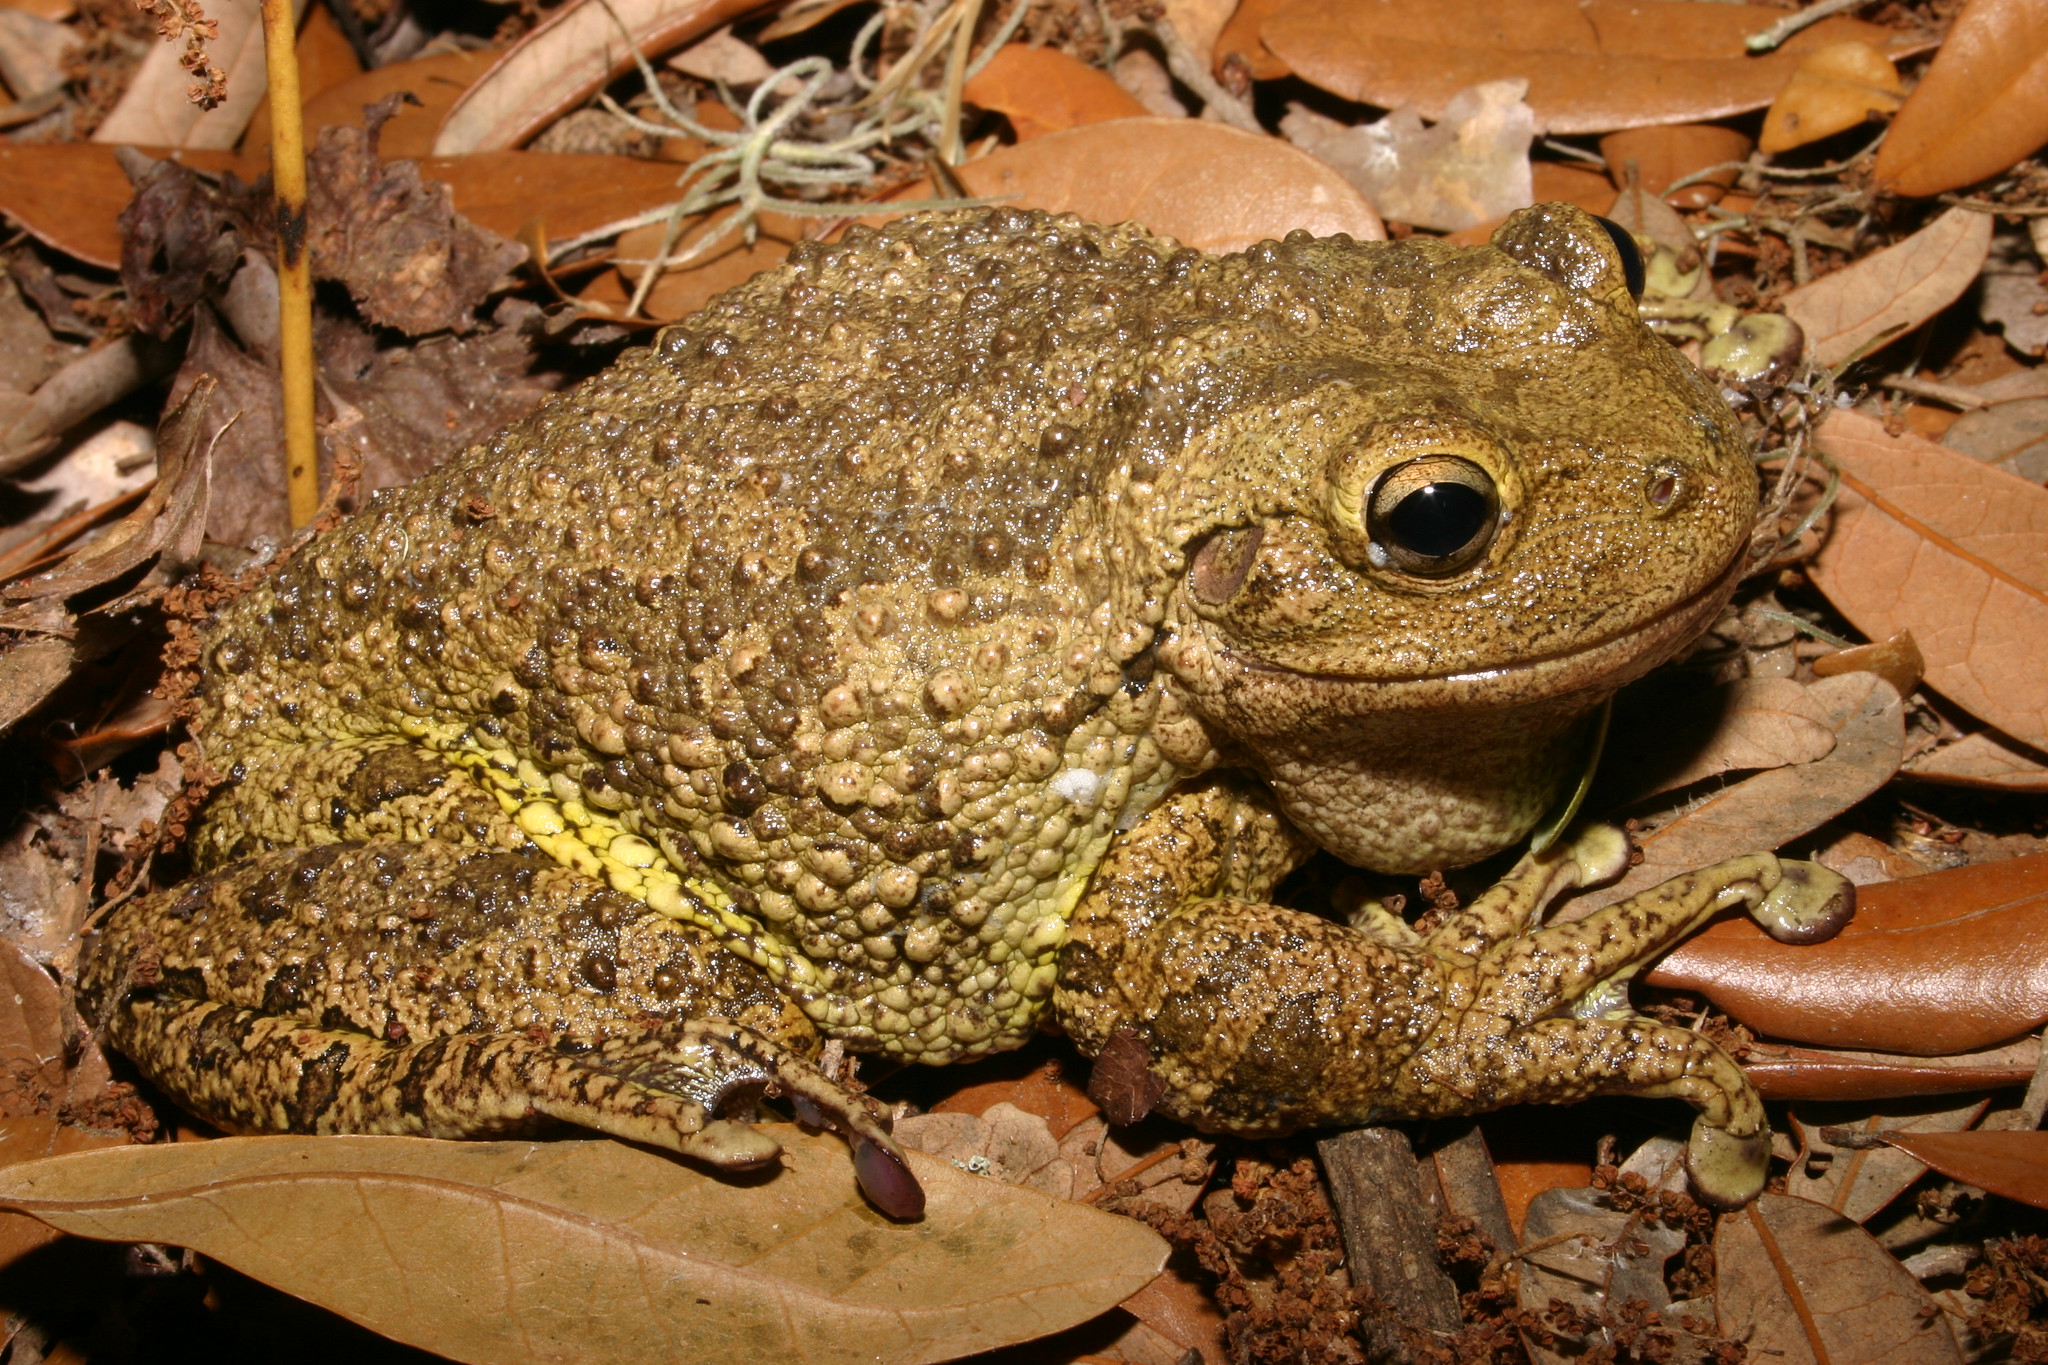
column 1261, row 1019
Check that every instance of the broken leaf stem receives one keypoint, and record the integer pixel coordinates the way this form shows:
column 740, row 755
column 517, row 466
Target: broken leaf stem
column 294, row 272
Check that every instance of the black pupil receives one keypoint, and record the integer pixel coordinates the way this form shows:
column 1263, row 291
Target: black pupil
column 1439, row 519
column 1631, row 259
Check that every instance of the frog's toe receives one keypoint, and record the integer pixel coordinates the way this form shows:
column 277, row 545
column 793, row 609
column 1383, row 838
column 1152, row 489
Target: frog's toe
column 1601, row 852
column 886, row 1178
column 730, row 1145
column 1727, row 1171
column 1810, row 903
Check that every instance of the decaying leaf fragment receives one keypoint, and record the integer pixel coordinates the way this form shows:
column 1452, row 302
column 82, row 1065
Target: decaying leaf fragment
column 1929, row 540
column 1885, row 295
column 2014, row 1164
column 601, row 1252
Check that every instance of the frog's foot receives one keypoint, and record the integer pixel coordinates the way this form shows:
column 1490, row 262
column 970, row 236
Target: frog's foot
column 1583, row 969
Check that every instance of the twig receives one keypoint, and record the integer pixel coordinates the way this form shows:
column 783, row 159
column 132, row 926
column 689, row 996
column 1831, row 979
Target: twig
column 1777, row 33
column 1191, row 71
column 1955, row 395
column 956, row 77
column 294, row 270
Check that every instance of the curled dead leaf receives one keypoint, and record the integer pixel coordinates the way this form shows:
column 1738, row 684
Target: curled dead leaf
column 1801, row 1073
column 1836, row 87
column 1887, row 294
column 597, row 1251
column 1860, row 1181
column 69, row 195
column 1897, row 660
column 1944, row 963
column 1981, row 107
column 1663, row 155
column 1209, row 186
column 1592, row 65
column 1929, row 540
column 1985, row 759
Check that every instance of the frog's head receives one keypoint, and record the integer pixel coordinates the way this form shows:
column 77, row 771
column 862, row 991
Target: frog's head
column 1454, row 499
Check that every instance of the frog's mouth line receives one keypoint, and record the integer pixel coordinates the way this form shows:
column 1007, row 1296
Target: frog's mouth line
column 1624, row 654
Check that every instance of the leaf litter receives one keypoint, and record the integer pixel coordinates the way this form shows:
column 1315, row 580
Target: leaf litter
column 1790, row 733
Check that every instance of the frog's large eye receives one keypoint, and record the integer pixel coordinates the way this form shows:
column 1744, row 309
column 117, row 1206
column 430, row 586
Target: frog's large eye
column 1631, row 256
column 1433, row 515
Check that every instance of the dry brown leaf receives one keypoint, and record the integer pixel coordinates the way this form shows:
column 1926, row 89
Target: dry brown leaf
column 1663, row 155
column 1859, row 1182
column 156, row 109
column 1592, row 65
column 1888, row 293
column 2011, row 429
column 562, row 61
column 600, row 1252
column 69, row 195
column 678, row 293
column 1801, row 1073
column 1801, row 1285
column 1929, row 540
column 1668, row 735
column 2011, row 1164
column 1554, row 181
column 1944, row 963
column 436, row 82
column 1836, row 87
column 1985, row 759
column 1211, row 187
column 1773, row 808
column 1042, row 90
column 1981, row 107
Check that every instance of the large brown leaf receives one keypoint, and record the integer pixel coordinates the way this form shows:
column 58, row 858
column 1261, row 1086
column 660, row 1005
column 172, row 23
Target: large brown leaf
column 1801, row 1285
column 2012, row 1164
column 1211, row 187
column 1802, row 1073
column 601, row 1252
column 1982, row 106
column 1943, row 963
column 1592, row 65
column 1929, row 540
column 1889, row 293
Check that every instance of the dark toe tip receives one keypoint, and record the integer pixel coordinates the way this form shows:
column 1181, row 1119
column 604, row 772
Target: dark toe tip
column 887, row 1181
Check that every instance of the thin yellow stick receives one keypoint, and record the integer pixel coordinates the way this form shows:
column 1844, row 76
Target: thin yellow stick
column 294, row 275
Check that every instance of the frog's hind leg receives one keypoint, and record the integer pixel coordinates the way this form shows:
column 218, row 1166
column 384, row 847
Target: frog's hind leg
column 1582, row 969
column 448, row 990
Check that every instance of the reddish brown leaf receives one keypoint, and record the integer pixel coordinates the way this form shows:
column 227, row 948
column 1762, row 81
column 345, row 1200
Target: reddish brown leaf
column 1795, row 1073
column 1553, row 181
column 557, row 65
column 70, row 194
column 569, row 193
column 1981, row 107
column 1885, row 295
column 1123, row 1082
column 1211, row 187
column 1801, row 1285
column 1929, row 540
column 1592, row 65
column 1944, row 963
column 1042, row 90
column 1836, row 87
column 1240, row 45
column 1666, row 154
column 1897, row 660
column 2011, row 1164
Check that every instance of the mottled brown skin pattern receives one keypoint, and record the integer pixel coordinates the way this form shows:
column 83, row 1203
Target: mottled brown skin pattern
column 840, row 632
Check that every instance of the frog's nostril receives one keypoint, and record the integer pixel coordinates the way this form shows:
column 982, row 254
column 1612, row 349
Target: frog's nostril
column 1433, row 515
